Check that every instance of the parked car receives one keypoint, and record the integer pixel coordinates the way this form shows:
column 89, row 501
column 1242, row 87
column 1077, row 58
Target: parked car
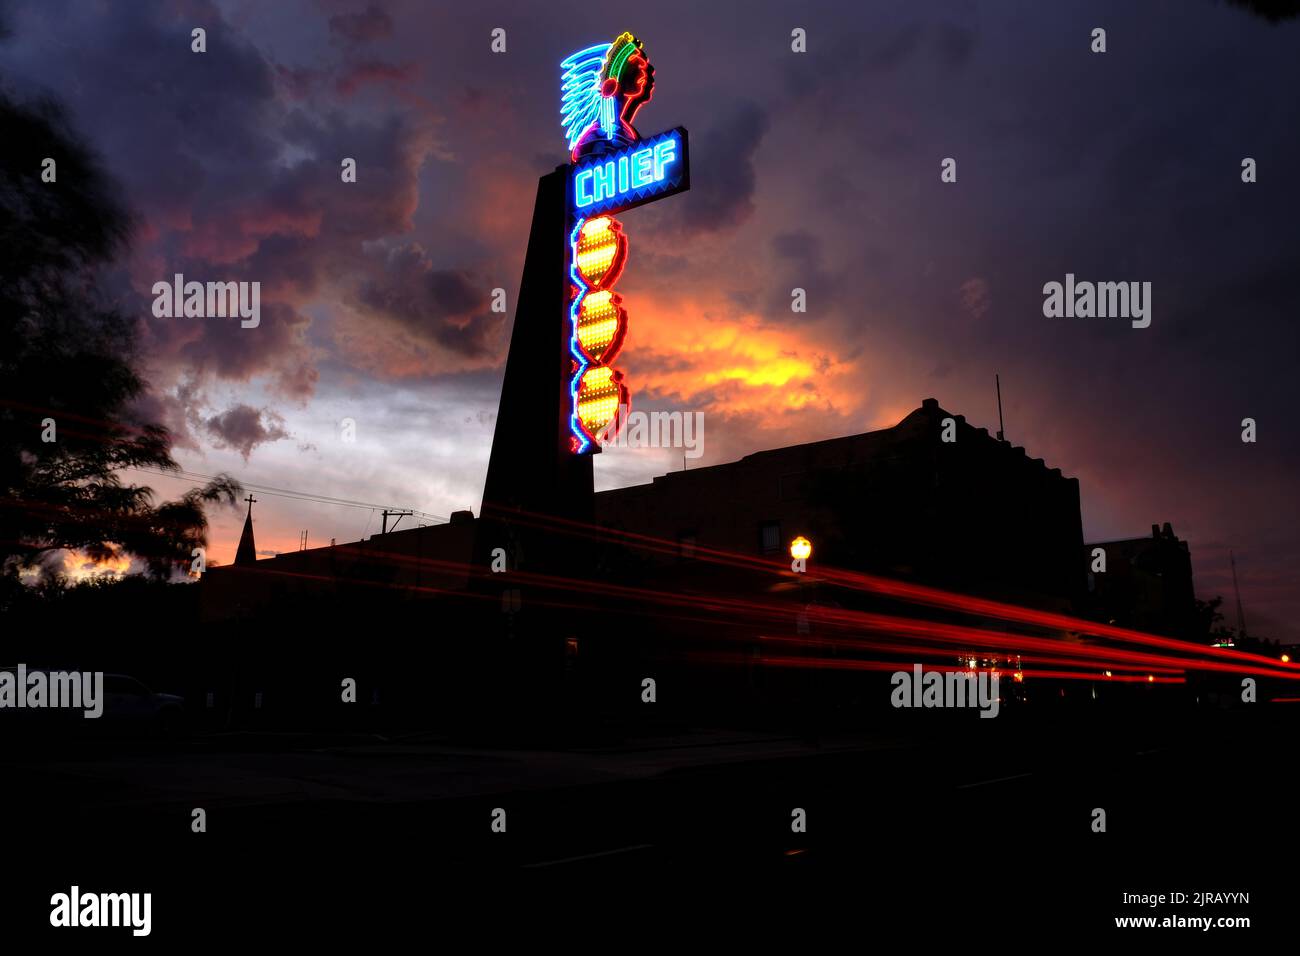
column 128, row 708
column 131, row 706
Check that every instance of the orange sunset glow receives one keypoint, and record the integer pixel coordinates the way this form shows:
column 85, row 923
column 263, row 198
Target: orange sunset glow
column 740, row 365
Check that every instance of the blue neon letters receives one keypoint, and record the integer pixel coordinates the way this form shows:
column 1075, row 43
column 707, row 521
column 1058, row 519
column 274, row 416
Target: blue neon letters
column 629, row 176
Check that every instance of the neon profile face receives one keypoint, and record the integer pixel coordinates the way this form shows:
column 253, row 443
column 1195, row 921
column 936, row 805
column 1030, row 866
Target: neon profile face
column 636, row 86
column 601, row 90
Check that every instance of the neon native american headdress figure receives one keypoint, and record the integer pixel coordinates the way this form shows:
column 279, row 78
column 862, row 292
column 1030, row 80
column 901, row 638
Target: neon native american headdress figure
column 602, row 87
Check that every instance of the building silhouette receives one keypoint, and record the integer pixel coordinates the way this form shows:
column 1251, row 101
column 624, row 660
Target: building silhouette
column 1147, row 584
column 975, row 514
column 930, row 500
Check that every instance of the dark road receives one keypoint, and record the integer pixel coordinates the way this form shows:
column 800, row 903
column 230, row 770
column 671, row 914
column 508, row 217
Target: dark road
column 995, row 815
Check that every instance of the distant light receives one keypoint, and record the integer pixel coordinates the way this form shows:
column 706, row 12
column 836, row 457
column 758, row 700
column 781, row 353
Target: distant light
column 1150, row 679
column 971, row 663
column 1286, row 658
column 1019, row 677
column 1108, row 674
column 801, row 548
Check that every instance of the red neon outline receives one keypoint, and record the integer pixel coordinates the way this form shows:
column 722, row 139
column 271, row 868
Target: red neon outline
column 607, row 281
column 606, row 284
column 616, row 265
column 610, row 351
column 624, row 399
column 639, row 97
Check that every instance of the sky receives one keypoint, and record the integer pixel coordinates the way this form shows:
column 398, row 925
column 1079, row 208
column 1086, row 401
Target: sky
column 817, row 170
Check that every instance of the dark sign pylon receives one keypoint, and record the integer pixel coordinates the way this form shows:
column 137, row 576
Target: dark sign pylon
column 548, row 422
column 531, row 467
column 531, row 475
column 568, row 324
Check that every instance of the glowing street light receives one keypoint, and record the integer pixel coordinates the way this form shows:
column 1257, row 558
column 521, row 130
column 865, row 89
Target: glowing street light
column 801, row 548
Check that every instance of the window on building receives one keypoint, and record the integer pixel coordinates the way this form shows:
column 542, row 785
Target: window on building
column 769, row 537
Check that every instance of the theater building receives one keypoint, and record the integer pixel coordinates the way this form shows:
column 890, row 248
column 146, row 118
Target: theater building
column 975, row 514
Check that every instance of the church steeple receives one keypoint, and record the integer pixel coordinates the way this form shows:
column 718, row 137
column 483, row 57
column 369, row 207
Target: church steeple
column 247, row 551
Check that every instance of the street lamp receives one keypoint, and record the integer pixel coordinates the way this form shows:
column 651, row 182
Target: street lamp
column 801, row 548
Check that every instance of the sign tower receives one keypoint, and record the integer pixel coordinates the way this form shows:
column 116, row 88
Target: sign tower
column 562, row 396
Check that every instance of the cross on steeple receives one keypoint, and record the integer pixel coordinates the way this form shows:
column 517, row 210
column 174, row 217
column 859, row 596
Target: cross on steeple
column 246, row 553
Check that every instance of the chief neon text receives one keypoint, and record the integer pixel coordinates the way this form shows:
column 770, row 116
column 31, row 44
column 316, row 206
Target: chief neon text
column 623, row 176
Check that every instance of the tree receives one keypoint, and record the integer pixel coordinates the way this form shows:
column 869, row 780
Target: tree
column 68, row 382
column 1208, row 623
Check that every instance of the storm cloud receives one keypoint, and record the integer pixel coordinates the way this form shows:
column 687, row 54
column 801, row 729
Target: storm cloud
column 818, row 170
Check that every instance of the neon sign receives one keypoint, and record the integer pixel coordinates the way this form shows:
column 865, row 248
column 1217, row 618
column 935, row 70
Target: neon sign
column 618, row 180
column 602, row 88
column 597, row 252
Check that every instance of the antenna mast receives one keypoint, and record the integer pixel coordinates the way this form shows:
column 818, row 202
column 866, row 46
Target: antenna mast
column 1001, row 427
column 1241, row 615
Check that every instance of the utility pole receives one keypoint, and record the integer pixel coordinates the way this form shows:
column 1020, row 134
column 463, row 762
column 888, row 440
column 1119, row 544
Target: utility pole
column 399, row 515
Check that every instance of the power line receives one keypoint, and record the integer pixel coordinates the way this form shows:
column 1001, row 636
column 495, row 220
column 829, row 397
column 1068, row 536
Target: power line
column 286, row 492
